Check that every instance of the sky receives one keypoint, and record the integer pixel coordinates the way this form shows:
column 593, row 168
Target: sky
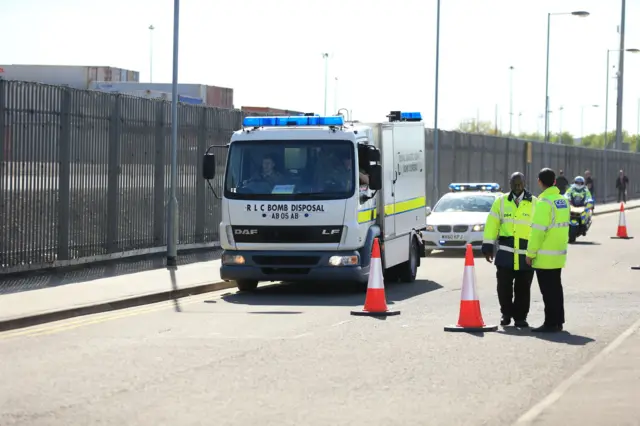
column 382, row 53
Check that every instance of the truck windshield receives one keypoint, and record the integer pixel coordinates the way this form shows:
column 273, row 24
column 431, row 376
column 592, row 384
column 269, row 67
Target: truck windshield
column 290, row 170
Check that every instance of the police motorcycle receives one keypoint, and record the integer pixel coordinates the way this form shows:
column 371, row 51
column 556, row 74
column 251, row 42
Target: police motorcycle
column 581, row 204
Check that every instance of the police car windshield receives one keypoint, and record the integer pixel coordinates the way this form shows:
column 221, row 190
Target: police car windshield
column 290, row 170
column 461, row 202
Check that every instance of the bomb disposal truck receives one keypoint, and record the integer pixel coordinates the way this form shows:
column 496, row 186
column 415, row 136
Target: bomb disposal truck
column 304, row 197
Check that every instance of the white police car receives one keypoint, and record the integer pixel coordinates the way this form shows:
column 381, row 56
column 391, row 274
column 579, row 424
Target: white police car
column 458, row 217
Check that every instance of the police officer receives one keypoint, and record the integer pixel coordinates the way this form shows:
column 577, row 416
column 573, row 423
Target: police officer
column 547, row 251
column 509, row 222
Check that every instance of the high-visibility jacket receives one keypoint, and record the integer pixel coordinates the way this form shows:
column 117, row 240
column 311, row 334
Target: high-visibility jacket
column 510, row 225
column 549, row 237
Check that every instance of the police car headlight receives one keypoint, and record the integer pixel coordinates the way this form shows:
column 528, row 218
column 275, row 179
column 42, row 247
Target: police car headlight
column 230, row 234
column 430, row 228
column 478, row 228
column 232, row 259
column 344, row 260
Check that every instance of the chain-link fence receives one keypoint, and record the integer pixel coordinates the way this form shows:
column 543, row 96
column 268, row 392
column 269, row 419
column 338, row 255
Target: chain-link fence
column 84, row 175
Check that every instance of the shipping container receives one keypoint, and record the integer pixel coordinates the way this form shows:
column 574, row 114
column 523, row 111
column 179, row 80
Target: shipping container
column 77, row 77
column 220, row 97
column 269, row 110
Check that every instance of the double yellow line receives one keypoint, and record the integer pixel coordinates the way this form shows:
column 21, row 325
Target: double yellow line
column 70, row 324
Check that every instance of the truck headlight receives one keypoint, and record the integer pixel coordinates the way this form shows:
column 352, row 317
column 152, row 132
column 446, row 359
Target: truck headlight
column 344, row 260
column 232, row 259
column 430, row 228
column 478, row 228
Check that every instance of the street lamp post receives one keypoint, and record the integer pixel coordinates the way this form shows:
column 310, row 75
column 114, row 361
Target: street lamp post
column 436, row 141
column 172, row 231
column 579, row 13
column 618, row 143
column 582, row 118
column 151, row 28
column 326, row 77
column 511, row 100
column 606, row 105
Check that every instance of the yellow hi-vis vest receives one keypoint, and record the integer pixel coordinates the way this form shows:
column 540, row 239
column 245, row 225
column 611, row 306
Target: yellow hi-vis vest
column 549, row 237
column 510, row 225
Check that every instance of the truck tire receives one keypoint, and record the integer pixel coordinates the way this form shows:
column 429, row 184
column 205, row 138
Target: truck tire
column 409, row 269
column 247, row 285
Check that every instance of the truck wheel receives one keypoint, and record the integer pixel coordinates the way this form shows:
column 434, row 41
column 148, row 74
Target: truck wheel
column 247, row 285
column 409, row 269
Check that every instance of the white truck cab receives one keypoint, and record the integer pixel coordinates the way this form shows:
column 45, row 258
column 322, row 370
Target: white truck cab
column 304, row 197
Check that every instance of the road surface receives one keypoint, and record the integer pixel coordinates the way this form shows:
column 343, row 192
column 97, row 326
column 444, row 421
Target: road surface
column 292, row 355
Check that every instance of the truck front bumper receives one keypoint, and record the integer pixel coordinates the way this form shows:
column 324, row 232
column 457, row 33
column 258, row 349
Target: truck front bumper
column 290, row 266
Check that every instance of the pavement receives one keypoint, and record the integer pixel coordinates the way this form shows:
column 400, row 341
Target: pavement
column 292, row 354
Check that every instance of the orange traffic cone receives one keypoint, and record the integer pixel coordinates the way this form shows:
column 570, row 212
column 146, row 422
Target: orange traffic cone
column 375, row 303
column 470, row 318
column 622, row 226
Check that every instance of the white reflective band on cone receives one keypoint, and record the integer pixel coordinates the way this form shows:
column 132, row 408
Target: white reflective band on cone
column 622, row 220
column 469, row 284
column 375, row 274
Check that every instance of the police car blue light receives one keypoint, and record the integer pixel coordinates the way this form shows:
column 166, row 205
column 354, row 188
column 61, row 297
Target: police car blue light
column 293, row 121
column 458, row 187
column 410, row 116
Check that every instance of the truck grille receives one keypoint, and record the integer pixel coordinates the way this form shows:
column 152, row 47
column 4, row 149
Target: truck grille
column 286, row 260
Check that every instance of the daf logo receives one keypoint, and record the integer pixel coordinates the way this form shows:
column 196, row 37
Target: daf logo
column 245, row 231
column 330, row 231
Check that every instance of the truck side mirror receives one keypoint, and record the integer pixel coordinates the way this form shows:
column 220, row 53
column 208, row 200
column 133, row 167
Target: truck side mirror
column 373, row 155
column 209, row 166
column 375, row 177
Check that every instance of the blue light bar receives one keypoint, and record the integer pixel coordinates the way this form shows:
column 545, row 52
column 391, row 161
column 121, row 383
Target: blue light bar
column 293, row 121
column 460, row 187
column 410, row 116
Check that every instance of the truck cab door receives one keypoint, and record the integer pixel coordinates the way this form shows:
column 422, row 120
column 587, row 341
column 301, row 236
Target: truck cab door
column 390, row 177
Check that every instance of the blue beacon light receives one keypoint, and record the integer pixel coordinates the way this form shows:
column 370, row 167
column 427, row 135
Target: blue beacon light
column 293, row 121
column 410, row 116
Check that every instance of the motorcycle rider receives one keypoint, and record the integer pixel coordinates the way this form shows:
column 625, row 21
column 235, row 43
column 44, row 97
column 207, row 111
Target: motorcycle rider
column 578, row 194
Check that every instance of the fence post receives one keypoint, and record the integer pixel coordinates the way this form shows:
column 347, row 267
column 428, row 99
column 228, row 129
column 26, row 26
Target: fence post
column 64, row 175
column 159, row 169
column 201, row 202
column 113, row 176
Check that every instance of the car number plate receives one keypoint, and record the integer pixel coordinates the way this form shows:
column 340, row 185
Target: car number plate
column 452, row 237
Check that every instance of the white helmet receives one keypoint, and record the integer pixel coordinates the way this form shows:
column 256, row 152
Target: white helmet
column 579, row 182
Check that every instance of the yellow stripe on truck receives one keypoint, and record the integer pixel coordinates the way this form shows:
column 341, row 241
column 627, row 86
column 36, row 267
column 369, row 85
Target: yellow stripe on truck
column 368, row 215
column 405, row 206
column 393, row 209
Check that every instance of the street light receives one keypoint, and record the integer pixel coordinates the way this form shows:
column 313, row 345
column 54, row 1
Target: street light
column 436, row 141
column 606, row 105
column 326, row 82
column 511, row 100
column 582, row 119
column 579, row 13
column 173, row 228
column 151, row 28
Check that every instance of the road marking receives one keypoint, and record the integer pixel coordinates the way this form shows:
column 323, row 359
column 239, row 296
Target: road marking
column 65, row 325
column 340, row 323
column 556, row 394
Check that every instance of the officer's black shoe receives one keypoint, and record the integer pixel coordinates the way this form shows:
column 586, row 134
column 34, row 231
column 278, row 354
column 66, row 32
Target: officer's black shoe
column 505, row 320
column 545, row 328
column 521, row 324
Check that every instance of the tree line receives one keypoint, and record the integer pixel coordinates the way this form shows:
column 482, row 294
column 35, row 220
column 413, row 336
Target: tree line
column 565, row 138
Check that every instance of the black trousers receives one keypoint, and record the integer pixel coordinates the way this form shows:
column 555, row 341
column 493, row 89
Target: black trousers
column 622, row 195
column 550, row 282
column 514, row 292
